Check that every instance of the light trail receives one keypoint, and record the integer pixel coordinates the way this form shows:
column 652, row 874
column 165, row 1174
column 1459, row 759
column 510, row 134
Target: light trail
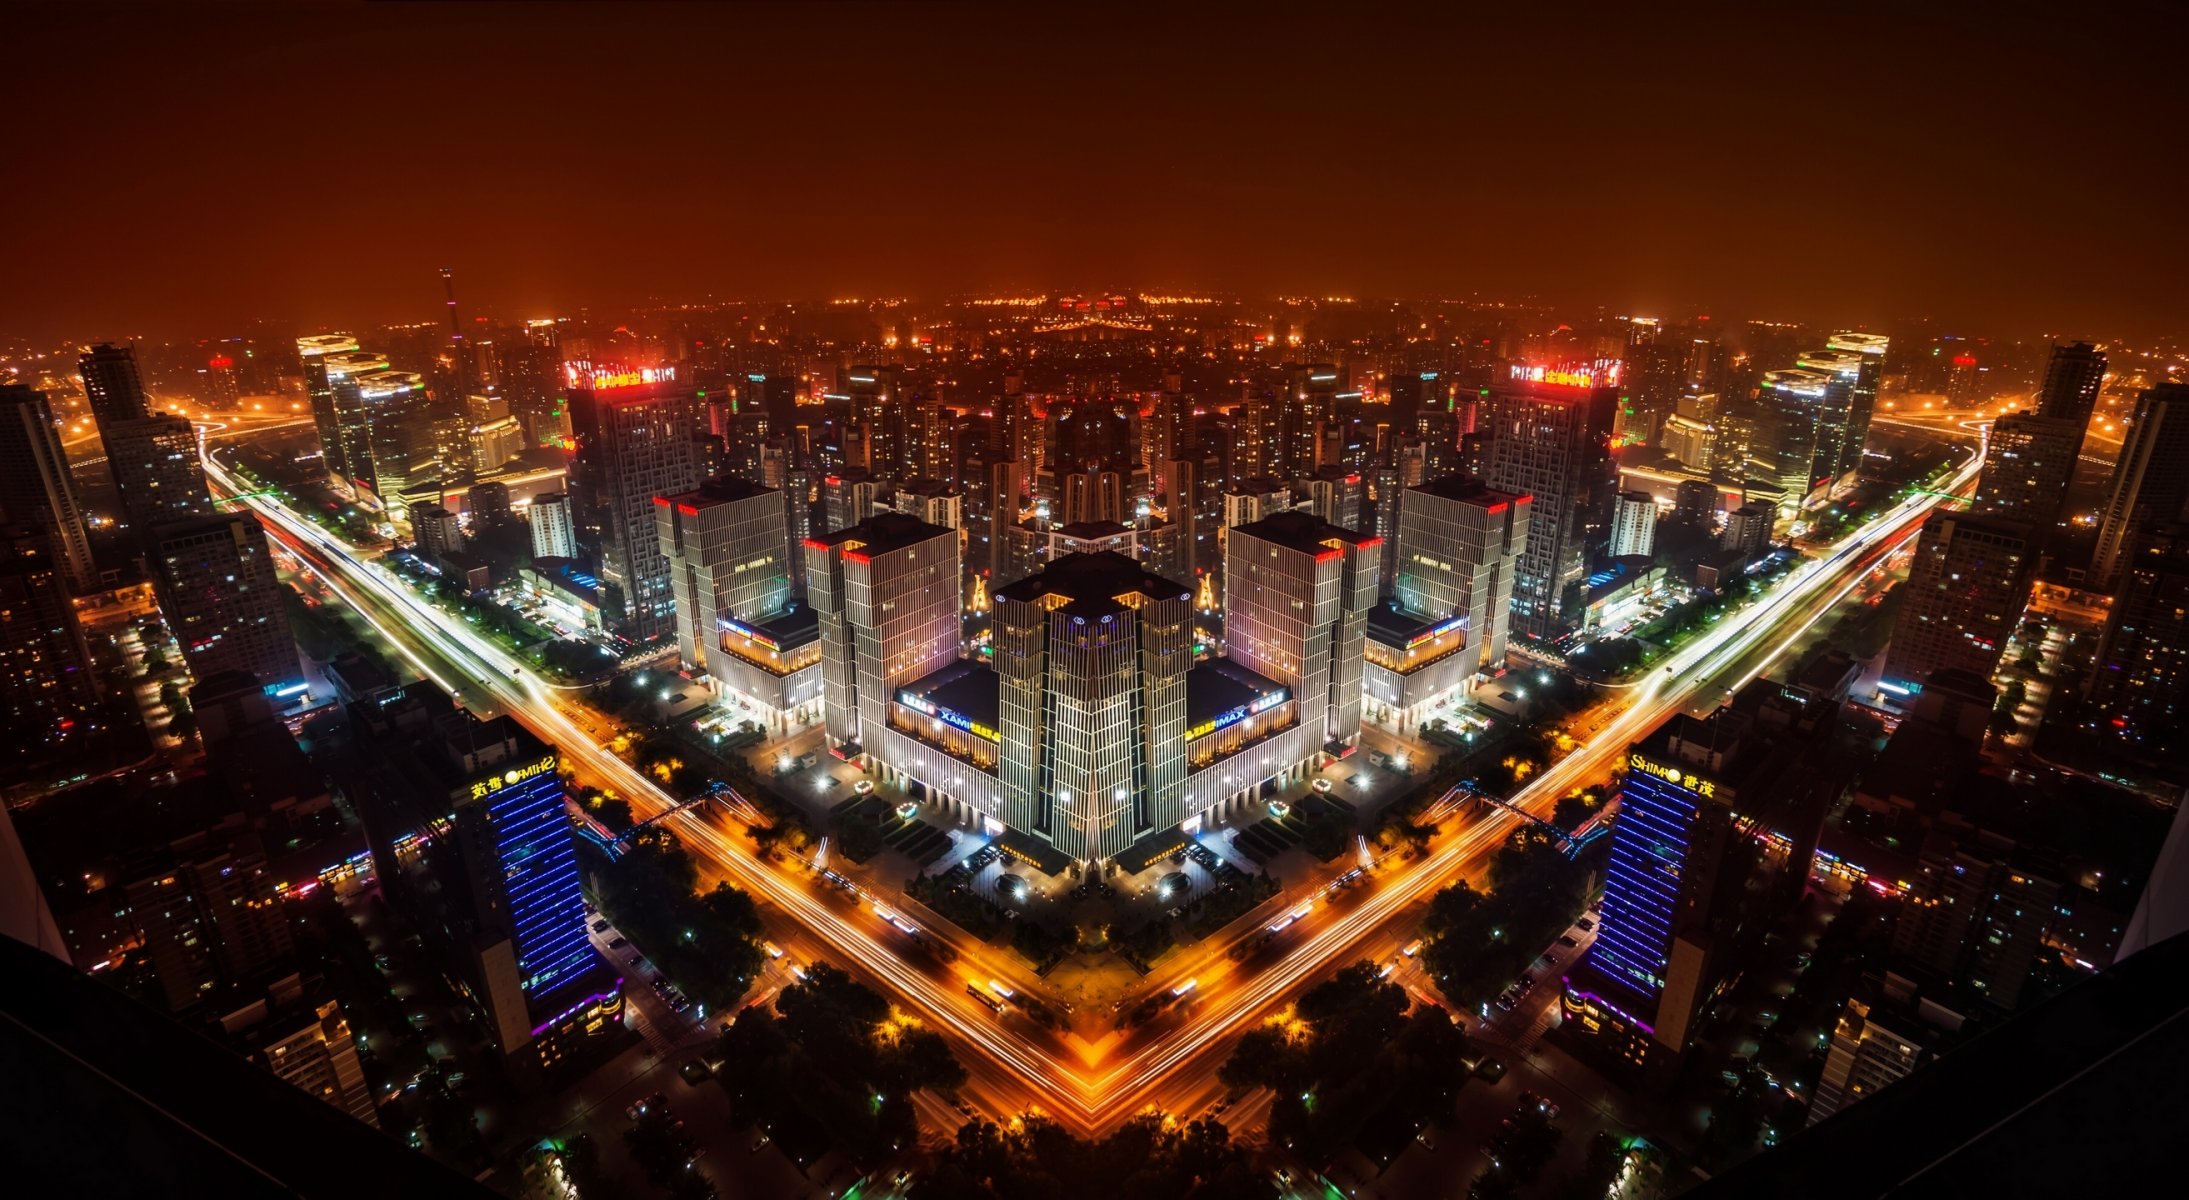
column 1089, row 1104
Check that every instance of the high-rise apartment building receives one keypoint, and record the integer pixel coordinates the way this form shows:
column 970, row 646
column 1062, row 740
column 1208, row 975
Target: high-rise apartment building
column 1633, row 525
column 1297, row 592
column 724, row 544
column 1976, row 913
column 46, row 685
column 472, row 842
column 1875, row 1043
column 35, row 486
column 2140, row 692
column 1091, row 657
column 2073, row 378
column 436, row 531
column 310, row 1047
column 1748, row 529
column 2028, row 461
column 216, row 585
column 1965, row 593
column 2150, row 482
column 637, row 438
column 154, row 461
column 1548, row 435
column 112, row 384
column 554, row 526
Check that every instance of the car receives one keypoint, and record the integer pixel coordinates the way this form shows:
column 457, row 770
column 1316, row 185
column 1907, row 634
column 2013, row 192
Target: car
column 1543, row 1104
column 1568, row 941
column 618, row 942
column 600, row 926
column 694, row 1072
column 964, row 1109
column 1490, row 1069
column 901, row 1178
column 760, row 1143
column 634, row 958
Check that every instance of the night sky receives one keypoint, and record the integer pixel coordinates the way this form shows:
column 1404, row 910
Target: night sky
column 178, row 172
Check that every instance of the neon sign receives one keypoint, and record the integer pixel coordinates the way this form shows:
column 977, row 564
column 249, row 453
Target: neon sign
column 1237, row 713
column 948, row 716
column 1435, row 632
column 748, row 632
column 1605, row 375
column 482, row 788
column 607, row 378
column 1691, row 781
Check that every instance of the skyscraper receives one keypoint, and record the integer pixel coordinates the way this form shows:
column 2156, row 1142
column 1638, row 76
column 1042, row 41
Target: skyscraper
column 2150, row 482
column 319, row 391
column 1297, row 591
column 1548, row 436
column 35, row 487
column 636, row 431
column 112, row 384
column 1862, row 398
column 554, row 529
column 468, row 829
column 1965, row 594
column 724, row 544
column 1459, row 546
column 2028, row 461
column 1091, row 657
column 216, row 584
column 887, row 590
column 2073, row 379
column 2140, row 692
column 46, row 686
column 154, row 461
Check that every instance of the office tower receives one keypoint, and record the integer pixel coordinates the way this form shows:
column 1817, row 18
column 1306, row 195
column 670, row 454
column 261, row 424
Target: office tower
column 636, row 431
column 1838, row 444
column 1091, row 656
column 1459, row 546
column 1651, row 370
column 35, row 487
column 1965, row 386
column 154, row 461
column 1336, row 495
column 1633, row 525
column 1690, row 441
column 1689, row 890
column 2028, row 461
column 319, row 390
column 111, row 384
column 931, row 500
column 349, row 453
column 724, row 544
column 1748, row 529
column 1965, row 593
column 436, row 532
column 216, row 584
column 2150, row 482
column 1548, row 435
column 877, row 403
column 1862, row 400
column 2140, row 693
column 1784, row 426
column 2073, row 379
column 554, row 528
column 46, row 687
column 219, row 388
column 309, row 1046
column 402, row 455
column 473, row 844
column 887, row 590
column 494, row 443
column 1696, row 501
column 1297, row 591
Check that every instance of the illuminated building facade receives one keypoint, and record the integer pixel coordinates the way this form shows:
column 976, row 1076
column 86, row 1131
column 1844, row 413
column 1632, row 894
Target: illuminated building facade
column 36, row 488
column 217, row 588
column 724, row 544
column 887, row 591
column 1861, row 396
column 2028, row 461
column 319, row 392
column 2073, row 378
column 154, row 461
column 473, row 843
column 554, row 526
column 1633, row 525
column 1297, row 593
column 1548, row 435
column 1965, row 594
column 1459, row 543
column 1091, row 657
column 2140, row 692
column 1690, row 885
column 637, row 436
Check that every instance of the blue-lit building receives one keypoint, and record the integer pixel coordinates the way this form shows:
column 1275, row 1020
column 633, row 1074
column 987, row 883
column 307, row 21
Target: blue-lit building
column 1696, row 873
column 474, row 847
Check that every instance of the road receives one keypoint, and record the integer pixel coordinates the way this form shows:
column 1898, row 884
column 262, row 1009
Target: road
column 1090, row 1086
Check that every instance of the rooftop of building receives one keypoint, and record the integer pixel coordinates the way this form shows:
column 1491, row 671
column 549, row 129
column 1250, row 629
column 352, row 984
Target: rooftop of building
column 1091, row 584
column 1093, row 531
column 1304, row 532
column 936, row 488
column 1220, row 686
column 796, row 625
column 1260, row 485
column 884, row 533
column 1467, row 490
column 965, row 687
column 1398, row 628
column 722, row 489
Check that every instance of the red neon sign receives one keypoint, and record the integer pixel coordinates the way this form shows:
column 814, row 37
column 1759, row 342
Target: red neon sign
column 609, row 377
